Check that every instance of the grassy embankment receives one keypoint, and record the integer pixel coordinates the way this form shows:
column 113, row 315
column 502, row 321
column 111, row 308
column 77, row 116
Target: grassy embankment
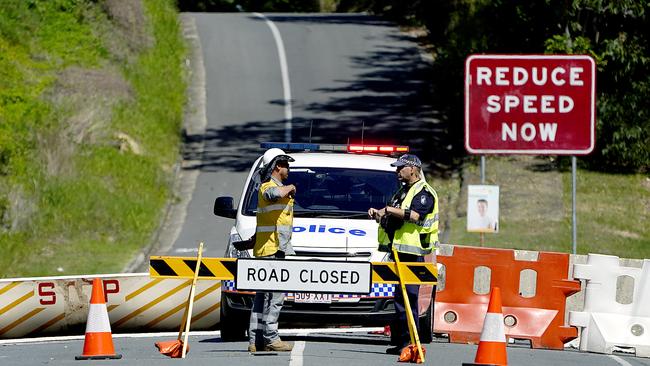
column 91, row 99
column 613, row 211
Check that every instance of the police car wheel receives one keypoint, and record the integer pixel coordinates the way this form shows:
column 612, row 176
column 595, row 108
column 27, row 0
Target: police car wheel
column 233, row 328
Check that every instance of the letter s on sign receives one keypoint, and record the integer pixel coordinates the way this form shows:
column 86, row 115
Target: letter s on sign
column 48, row 297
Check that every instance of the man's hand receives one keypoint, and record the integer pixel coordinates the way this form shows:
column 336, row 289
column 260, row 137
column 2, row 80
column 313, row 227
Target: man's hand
column 287, row 191
column 376, row 214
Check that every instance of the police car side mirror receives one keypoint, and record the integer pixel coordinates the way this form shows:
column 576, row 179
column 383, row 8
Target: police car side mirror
column 224, row 206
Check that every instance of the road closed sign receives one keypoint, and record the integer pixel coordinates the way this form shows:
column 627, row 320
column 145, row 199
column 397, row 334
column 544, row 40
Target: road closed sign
column 303, row 276
column 530, row 104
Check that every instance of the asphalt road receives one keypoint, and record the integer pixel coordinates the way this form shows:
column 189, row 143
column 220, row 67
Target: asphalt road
column 314, row 348
column 345, row 77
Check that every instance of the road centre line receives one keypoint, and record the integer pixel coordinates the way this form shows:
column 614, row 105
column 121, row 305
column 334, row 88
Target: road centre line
column 296, row 354
column 619, row 360
column 286, row 86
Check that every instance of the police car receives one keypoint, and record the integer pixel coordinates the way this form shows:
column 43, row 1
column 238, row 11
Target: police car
column 335, row 187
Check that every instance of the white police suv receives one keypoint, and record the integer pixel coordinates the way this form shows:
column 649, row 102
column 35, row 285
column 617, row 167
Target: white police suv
column 335, row 186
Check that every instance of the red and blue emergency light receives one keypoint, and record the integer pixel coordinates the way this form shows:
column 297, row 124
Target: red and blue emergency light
column 353, row 148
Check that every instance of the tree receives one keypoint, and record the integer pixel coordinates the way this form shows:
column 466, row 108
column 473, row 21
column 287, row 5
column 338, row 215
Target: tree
column 615, row 34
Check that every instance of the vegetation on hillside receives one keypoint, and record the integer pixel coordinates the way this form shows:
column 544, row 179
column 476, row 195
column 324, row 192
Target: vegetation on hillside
column 91, row 99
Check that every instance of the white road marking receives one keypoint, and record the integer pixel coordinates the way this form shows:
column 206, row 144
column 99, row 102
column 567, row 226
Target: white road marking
column 217, row 333
column 619, row 360
column 186, row 250
column 286, row 86
column 296, row 357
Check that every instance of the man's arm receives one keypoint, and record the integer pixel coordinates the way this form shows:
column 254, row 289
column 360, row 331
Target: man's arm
column 274, row 193
column 421, row 205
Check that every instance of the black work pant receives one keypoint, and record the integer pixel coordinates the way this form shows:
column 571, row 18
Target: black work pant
column 399, row 326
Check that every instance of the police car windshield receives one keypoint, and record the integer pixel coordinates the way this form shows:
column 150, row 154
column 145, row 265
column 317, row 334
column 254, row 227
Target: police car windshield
column 333, row 192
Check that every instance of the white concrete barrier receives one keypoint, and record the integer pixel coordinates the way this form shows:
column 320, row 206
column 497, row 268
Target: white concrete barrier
column 616, row 310
column 59, row 305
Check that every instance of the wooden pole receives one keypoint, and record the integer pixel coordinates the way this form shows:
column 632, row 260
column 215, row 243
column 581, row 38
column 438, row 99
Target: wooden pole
column 415, row 338
column 187, row 317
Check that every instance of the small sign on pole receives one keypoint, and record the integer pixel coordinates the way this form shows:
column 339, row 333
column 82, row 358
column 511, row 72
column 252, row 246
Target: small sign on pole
column 483, row 209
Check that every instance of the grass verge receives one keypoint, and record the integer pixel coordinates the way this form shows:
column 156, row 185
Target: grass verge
column 535, row 208
column 94, row 132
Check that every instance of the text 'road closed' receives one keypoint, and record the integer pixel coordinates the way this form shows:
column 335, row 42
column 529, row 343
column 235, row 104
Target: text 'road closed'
column 303, row 276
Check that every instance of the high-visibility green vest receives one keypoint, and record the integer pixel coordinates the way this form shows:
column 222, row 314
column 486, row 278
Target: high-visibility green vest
column 407, row 237
column 273, row 218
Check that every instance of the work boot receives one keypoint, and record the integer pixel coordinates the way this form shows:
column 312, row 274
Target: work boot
column 252, row 348
column 279, row 346
column 397, row 350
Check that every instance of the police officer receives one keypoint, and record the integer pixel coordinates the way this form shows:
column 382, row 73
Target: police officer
column 272, row 240
column 409, row 223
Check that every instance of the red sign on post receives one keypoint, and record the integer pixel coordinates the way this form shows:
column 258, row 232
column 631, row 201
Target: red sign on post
column 530, row 104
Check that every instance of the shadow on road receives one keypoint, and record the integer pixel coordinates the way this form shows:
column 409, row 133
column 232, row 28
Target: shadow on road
column 391, row 96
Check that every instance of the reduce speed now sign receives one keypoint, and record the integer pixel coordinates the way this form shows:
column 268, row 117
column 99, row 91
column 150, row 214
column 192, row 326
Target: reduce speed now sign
column 530, row 104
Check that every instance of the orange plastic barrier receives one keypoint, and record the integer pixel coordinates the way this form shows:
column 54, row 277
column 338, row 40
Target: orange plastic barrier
column 459, row 311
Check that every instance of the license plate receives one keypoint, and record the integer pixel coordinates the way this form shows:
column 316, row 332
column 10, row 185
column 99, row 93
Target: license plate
column 309, row 298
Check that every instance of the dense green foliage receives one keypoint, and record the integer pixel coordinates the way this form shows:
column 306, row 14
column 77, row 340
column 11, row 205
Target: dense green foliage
column 615, row 33
column 91, row 98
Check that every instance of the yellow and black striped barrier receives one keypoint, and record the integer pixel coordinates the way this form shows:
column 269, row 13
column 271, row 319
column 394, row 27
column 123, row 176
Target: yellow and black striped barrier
column 183, row 267
column 415, row 273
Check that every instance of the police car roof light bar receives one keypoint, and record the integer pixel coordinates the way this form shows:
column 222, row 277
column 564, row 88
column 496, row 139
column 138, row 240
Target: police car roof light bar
column 387, row 149
column 354, row 148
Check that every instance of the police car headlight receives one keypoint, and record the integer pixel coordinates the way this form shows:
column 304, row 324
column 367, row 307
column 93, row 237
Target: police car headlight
column 242, row 253
column 232, row 252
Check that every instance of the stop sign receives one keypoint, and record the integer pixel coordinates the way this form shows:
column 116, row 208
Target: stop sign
column 530, row 104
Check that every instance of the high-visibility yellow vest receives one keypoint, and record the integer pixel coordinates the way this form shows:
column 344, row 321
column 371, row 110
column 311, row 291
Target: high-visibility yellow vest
column 407, row 237
column 273, row 218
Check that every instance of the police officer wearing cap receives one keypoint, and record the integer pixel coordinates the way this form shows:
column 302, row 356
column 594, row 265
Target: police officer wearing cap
column 272, row 240
column 409, row 223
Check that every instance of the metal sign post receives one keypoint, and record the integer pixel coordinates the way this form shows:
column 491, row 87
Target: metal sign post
column 574, row 216
column 482, row 182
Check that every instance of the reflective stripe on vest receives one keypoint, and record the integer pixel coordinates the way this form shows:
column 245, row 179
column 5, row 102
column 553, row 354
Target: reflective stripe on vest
column 277, row 207
column 407, row 238
column 273, row 228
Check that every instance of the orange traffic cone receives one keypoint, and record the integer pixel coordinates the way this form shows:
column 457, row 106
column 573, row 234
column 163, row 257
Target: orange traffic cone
column 99, row 340
column 492, row 346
